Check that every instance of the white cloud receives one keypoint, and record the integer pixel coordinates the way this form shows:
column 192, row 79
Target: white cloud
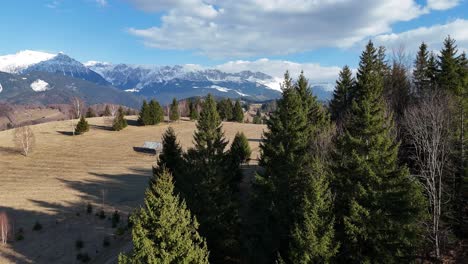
column 276, row 68
column 433, row 36
column 53, row 4
column 245, row 28
column 101, row 2
column 442, row 4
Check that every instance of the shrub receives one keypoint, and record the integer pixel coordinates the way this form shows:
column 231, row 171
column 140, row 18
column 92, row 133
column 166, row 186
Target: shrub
column 37, row 226
column 115, row 219
column 106, row 241
column 79, row 244
column 83, row 257
column 82, row 126
column 89, row 208
column 101, row 214
column 19, row 234
column 120, row 231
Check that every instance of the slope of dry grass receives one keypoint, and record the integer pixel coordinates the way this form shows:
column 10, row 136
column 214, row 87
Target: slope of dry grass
column 65, row 172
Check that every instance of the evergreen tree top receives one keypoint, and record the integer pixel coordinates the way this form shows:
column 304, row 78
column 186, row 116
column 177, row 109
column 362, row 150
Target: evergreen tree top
column 164, row 230
column 209, row 135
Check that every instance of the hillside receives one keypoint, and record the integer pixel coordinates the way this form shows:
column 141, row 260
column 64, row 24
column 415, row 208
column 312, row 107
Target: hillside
column 64, row 173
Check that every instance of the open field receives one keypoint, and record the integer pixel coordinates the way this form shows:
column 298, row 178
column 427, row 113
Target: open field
column 66, row 172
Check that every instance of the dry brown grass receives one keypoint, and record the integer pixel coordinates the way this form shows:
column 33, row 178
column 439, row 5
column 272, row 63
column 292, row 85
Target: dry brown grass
column 64, row 172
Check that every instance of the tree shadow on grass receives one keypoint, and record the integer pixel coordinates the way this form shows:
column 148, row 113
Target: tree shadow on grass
column 63, row 223
column 66, row 133
column 9, row 150
column 133, row 122
column 101, row 127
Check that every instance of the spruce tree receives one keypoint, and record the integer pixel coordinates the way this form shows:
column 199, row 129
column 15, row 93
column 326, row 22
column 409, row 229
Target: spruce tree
column 156, row 113
column 240, row 149
column 107, row 111
column 257, row 119
column 421, row 78
column 144, row 116
column 90, row 113
column 238, row 112
column 171, row 155
column 448, row 76
column 225, row 109
column 211, row 196
column 193, row 107
column 453, row 79
column 164, row 230
column 82, row 126
column 378, row 206
column 342, row 99
column 282, row 200
column 312, row 236
column 119, row 121
column 432, row 71
column 174, row 111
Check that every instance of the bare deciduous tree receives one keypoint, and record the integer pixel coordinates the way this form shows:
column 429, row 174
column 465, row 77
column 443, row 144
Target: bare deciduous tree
column 427, row 128
column 4, row 227
column 24, row 139
column 78, row 107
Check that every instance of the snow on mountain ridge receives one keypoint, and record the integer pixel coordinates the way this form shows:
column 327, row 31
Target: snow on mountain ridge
column 15, row 63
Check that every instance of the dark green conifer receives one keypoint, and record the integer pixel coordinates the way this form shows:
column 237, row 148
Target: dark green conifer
column 211, row 196
column 193, row 107
column 144, row 116
column 238, row 112
column 421, row 78
column 171, row 155
column 342, row 99
column 107, row 111
column 82, row 126
column 378, row 205
column 119, row 121
column 174, row 111
column 156, row 112
column 164, row 230
column 90, row 113
column 240, row 149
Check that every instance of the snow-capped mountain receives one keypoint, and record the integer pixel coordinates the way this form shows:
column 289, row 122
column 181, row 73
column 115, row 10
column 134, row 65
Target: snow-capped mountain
column 35, row 61
column 166, row 82
column 16, row 63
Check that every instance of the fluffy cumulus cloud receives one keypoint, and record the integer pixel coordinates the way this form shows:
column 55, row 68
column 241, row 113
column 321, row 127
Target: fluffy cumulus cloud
column 276, row 68
column 244, row 28
column 433, row 36
column 101, row 2
column 442, row 4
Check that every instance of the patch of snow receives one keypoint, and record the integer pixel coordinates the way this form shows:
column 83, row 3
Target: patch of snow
column 133, row 90
column 40, row 86
column 96, row 63
column 241, row 94
column 24, row 78
column 1, row 88
column 273, row 84
column 220, row 88
column 15, row 63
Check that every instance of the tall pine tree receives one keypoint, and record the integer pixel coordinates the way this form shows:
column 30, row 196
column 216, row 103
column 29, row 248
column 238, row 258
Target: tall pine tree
column 377, row 204
column 174, row 111
column 421, row 78
column 144, row 116
column 211, row 197
column 119, row 120
column 342, row 99
column 281, row 215
column 238, row 112
column 164, row 230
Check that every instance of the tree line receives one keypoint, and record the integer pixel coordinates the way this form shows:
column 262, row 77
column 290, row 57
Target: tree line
column 377, row 176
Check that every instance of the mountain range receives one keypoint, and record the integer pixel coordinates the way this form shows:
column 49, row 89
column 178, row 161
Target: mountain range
column 37, row 77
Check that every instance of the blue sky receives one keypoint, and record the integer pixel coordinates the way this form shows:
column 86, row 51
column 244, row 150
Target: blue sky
column 267, row 35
